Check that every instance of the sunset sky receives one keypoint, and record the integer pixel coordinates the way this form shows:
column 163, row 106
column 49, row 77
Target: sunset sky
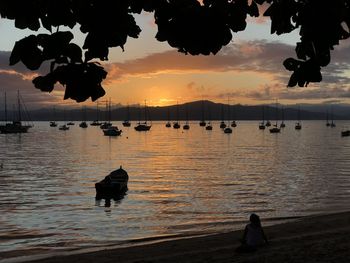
column 248, row 71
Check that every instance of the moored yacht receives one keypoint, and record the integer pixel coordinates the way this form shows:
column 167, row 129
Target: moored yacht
column 14, row 126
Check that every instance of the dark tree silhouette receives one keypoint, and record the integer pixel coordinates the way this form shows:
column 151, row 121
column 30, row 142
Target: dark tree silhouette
column 189, row 26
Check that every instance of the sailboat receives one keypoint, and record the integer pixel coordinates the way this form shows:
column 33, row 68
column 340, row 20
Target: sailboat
column 53, row 123
column 176, row 124
column 268, row 123
column 228, row 129
column 298, row 123
column 282, row 123
column 222, row 123
column 110, row 130
column 187, row 125
column 71, row 123
column 327, row 121
column 83, row 124
column 126, row 122
column 233, row 123
column 209, row 127
column 168, row 124
column 275, row 129
column 262, row 124
column 143, row 126
column 96, row 122
column 107, row 122
column 202, row 123
column 64, row 127
column 345, row 132
column 332, row 122
column 15, row 126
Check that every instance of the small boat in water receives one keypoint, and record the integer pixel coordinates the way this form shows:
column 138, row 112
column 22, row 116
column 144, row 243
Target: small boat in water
column 53, row 124
column 95, row 123
column 345, row 133
column 142, row 127
column 105, row 125
column 112, row 131
column 83, row 124
column 262, row 124
column 298, row 123
column 126, row 122
column 113, row 185
column 186, row 126
column 209, row 127
column 275, row 128
column 222, row 125
column 63, row 127
column 227, row 130
column 15, row 126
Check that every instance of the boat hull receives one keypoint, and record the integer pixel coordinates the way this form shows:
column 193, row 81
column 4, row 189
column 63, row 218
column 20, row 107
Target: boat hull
column 113, row 186
column 14, row 128
column 142, row 127
column 112, row 132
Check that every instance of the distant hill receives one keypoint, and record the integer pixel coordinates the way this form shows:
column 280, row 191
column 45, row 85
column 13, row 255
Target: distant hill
column 194, row 110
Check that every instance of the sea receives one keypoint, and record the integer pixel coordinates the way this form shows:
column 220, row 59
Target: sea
column 181, row 182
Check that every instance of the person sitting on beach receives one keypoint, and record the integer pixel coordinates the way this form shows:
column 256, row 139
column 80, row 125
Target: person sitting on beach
column 253, row 236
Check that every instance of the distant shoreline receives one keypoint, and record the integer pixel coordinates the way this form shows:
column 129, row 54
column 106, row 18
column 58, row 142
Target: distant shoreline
column 316, row 238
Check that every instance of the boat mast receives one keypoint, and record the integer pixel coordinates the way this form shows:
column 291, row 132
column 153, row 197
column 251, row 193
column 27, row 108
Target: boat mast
column 202, row 109
column 145, row 113
column 128, row 112
column 276, row 113
column 228, row 110
column 5, row 108
column 177, row 112
column 263, row 114
column 110, row 110
column 19, row 107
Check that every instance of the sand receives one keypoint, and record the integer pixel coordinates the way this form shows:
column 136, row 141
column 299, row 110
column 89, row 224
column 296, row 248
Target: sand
column 322, row 238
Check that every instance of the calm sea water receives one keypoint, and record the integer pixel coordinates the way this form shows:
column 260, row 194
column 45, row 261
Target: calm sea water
column 181, row 182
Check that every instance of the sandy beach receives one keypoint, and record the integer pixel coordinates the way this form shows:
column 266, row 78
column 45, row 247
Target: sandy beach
column 321, row 238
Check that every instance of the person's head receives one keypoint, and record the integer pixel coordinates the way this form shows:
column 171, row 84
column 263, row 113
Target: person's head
column 255, row 219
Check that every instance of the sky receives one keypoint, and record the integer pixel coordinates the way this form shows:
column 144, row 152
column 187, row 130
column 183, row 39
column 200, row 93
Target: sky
column 248, row 71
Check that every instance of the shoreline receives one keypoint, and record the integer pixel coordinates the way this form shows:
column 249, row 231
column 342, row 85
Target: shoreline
column 314, row 238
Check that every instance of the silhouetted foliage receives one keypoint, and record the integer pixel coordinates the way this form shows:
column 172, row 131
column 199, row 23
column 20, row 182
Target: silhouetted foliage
column 190, row 26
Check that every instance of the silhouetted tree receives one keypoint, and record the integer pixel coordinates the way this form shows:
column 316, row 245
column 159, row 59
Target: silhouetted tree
column 190, row 26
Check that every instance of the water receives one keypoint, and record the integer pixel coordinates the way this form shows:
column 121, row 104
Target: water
column 181, row 182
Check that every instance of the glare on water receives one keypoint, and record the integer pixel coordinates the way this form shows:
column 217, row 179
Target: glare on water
column 180, row 182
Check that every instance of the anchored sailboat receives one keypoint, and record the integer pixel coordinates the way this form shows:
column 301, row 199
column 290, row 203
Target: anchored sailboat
column 275, row 129
column 83, row 124
column 143, row 126
column 176, row 124
column 187, row 125
column 16, row 125
column 298, row 124
column 262, row 124
column 126, row 122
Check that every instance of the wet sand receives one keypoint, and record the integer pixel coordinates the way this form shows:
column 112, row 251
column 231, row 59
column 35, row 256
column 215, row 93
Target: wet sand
column 322, row 238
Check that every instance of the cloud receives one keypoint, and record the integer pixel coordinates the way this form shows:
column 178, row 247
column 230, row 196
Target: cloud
column 245, row 56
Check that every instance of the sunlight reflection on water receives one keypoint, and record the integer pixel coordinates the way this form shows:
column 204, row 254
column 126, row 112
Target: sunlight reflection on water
column 180, row 181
